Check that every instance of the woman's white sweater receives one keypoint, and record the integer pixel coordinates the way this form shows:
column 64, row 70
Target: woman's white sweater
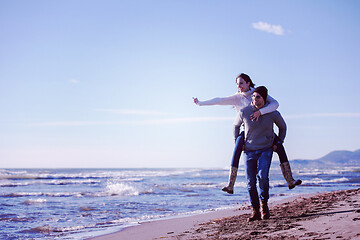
column 241, row 100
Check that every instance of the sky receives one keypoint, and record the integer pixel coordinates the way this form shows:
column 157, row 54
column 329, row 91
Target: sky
column 109, row 84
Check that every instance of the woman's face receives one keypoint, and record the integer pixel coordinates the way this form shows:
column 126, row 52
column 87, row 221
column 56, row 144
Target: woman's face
column 242, row 85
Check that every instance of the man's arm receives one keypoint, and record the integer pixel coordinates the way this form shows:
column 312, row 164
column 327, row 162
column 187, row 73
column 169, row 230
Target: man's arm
column 280, row 123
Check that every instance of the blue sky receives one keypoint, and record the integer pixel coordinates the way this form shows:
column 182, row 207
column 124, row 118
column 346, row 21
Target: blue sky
column 110, row 83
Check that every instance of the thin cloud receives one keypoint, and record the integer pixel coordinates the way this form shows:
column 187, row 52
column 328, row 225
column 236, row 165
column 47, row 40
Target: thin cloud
column 267, row 27
column 133, row 112
column 136, row 122
column 75, row 123
column 184, row 120
column 74, row 81
column 310, row 115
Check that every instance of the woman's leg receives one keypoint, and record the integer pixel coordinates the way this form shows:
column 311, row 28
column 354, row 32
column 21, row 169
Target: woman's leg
column 235, row 164
column 238, row 149
column 284, row 164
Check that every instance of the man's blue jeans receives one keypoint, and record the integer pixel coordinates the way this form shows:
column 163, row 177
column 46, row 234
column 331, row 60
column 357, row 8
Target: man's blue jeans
column 257, row 167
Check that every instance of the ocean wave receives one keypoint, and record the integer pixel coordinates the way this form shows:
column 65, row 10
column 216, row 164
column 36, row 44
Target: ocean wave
column 133, row 179
column 36, row 176
column 48, row 175
column 123, row 174
column 112, row 189
column 47, row 229
column 51, row 182
column 324, row 181
column 148, row 191
column 121, row 189
column 42, row 229
column 13, row 184
column 39, row 194
column 86, row 209
column 71, row 182
column 35, row 201
column 279, row 183
column 211, row 185
column 311, row 172
column 72, row 199
column 200, row 185
column 13, row 218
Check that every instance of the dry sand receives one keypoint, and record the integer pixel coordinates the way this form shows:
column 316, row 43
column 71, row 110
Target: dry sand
column 334, row 215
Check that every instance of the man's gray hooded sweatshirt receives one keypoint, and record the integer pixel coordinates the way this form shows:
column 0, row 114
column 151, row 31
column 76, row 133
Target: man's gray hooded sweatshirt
column 260, row 134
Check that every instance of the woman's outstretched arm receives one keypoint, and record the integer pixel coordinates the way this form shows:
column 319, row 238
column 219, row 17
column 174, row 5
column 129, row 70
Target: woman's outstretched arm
column 271, row 107
column 231, row 100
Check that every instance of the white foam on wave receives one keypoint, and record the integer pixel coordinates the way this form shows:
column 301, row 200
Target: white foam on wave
column 82, row 177
column 12, row 184
column 121, row 189
column 276, row 183
column 132, row 179
column 145, row 173
column 310, row 172
column 321, row 181
column 70, row 229
column 42, row 229
column 39, row 174
column 35, row 201
column 200, row 185
column 38, row 194
column 18, row 176
column 49, row 229
column 240, row 184
column 71, row 182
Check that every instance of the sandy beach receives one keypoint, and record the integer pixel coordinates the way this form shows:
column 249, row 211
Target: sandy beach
column 333, row 215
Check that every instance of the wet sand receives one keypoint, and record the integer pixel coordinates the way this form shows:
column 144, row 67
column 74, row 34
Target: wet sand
column 333, row 215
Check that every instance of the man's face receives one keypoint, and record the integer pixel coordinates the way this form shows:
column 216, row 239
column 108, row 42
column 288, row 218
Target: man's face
column 257, row 100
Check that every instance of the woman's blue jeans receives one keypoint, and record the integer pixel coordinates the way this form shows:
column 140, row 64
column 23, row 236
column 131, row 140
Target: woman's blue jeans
column 257, row 167
column 239, row 143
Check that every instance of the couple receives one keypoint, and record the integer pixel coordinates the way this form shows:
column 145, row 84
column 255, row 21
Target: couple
column 257, row 114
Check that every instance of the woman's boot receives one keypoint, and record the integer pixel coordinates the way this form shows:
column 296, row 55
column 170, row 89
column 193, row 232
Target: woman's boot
column 232, row 178
column 286, row 171
column 255, row 214
column 265, row 212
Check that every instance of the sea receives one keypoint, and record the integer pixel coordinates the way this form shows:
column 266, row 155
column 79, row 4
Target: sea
column 83, row 203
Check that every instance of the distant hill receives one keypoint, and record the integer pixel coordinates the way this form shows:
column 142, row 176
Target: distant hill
column 333, row 159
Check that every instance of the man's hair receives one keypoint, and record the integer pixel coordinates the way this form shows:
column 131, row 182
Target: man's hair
column 262, row 91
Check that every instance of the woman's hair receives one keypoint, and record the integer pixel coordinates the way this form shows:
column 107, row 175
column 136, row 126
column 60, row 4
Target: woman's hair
column 246, row 79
